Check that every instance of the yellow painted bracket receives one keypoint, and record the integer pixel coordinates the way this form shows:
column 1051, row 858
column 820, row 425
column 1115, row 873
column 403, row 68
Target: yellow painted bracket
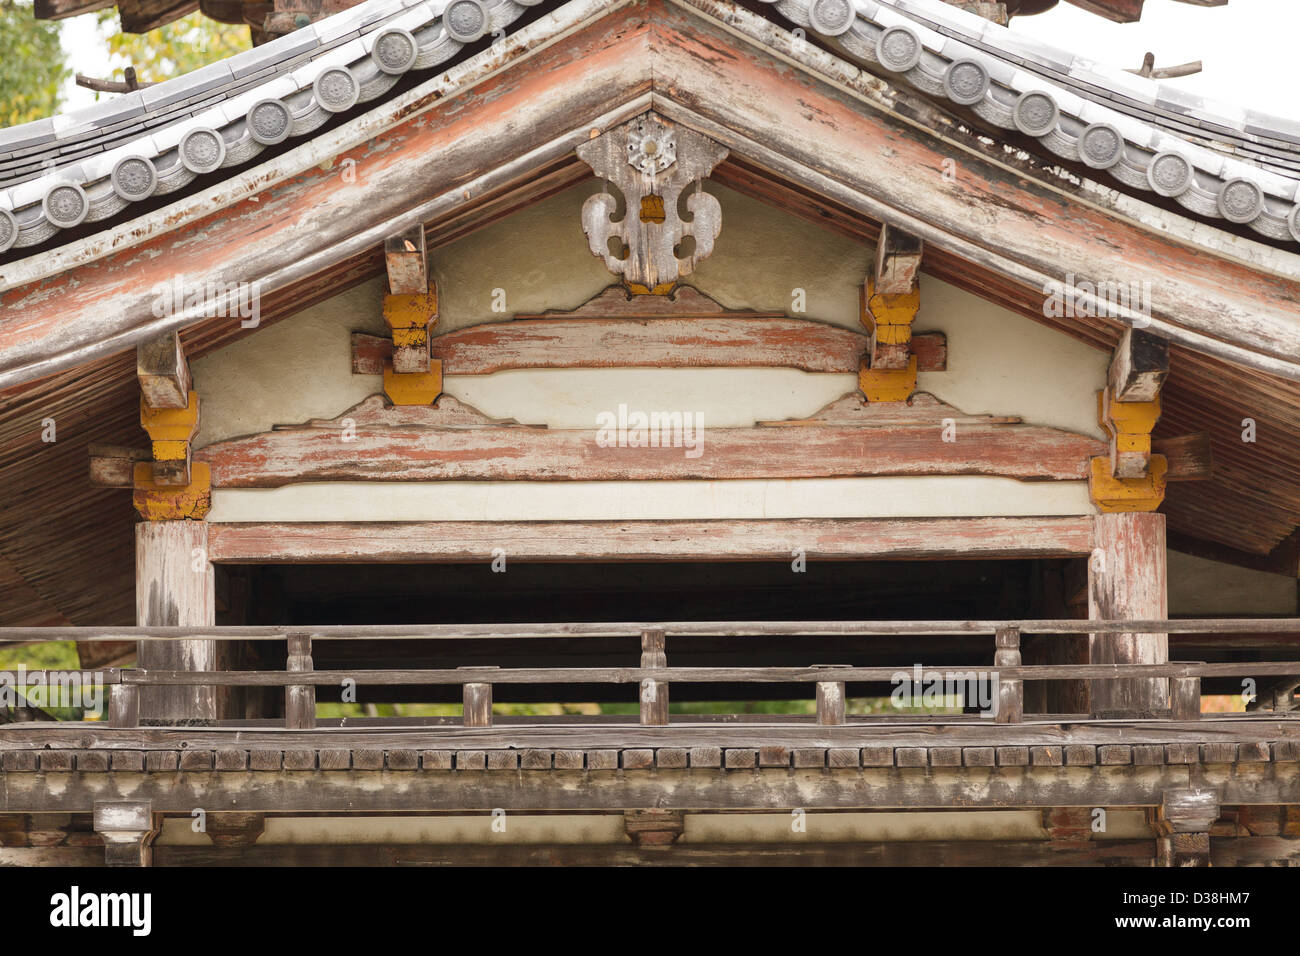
column 171, row 503
column 894, row 312
column 888, row 384
column 663, row 288
column 1111, row 494
column 1130, row 425
column 171, row 429
column 413, row 388
column 412, row 311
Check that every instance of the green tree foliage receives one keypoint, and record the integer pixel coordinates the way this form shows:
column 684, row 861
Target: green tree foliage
column 32, row 67
column 174, row 49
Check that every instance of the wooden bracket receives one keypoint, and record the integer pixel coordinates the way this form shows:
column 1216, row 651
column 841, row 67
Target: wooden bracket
column 888, row 384
column 1129, row 425
column 411, row 375
column 171, row 430
column 1133, row 477
column 169, row 407
column 157, row 502
column 890, row 300
column 1111, row 494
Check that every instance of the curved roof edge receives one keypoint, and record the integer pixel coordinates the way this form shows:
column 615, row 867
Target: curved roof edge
column 300, row 80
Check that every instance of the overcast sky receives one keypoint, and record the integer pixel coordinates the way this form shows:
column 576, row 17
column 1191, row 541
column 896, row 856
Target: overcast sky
column 1248, row 47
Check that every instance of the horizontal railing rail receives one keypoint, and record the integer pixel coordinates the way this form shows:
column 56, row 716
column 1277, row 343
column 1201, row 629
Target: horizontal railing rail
column 1004, row 676
column 346, row 632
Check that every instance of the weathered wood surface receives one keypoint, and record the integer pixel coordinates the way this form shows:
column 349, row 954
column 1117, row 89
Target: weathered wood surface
column 404, row 258
column 831, row 128
column 1222, row 628
column 1139, row 367
column 1127, row 579
column 1238, row 851
column 175, row 587
column 723, row 342
column 297, row 785
column 163, row 373
column 897, row 267
column 751, row 540
column 1105, row 673
column 849, row 438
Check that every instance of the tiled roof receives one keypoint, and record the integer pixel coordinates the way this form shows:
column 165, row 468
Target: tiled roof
column 1219, row 162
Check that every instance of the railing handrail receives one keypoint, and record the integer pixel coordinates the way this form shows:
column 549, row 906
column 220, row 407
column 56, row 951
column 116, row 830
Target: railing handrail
column 1225, row 627
column 631, row 675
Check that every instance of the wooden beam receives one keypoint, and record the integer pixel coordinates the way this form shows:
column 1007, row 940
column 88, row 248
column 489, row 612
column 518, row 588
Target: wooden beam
column 1127, row 579
column 696, row 788
column 113, row 466
column 1139, row 367
column 648, row 343
column 898, row 261
column 747, row 540
column 404, row 257
column 163, row 372
column 847, row 438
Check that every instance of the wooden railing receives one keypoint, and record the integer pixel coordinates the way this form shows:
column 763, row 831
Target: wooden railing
column 654, row 675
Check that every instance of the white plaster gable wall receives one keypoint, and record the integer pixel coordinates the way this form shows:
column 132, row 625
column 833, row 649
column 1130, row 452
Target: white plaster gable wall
column 998, row 363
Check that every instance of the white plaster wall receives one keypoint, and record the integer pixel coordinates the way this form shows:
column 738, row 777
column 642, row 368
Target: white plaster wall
column 706, row 828
column 998, row 363
column 947, row 496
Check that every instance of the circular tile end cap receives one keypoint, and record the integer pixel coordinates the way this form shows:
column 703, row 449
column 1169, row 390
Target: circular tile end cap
column 1170, row 174
column 1292, row 221
column 269, row 121
column 1240, row 200
column 202, row 150
column 336, row 89
column 1036, row 113
column 831, row 17
column 899, row 49
column 966, row 82
column 465, row 20
column 134, row 178
column 66, row 205
column 395, row 50
column 8, row 230
column 1101, row 146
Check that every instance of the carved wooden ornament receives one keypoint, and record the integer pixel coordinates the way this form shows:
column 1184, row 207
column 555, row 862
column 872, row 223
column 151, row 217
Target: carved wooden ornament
column 652, row 162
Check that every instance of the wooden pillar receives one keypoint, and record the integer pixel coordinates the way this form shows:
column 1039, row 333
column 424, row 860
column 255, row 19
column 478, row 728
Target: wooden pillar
column 1011, row 693
column 1185, row 698
column 174, row 587
column 1127, row 580
column 299, row 699
column 654, row 693
column 477, row 700
column 830, row 698
column 128, row 830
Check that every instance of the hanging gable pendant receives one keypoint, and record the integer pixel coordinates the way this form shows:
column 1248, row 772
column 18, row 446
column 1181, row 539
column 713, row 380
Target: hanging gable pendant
column 652, row 163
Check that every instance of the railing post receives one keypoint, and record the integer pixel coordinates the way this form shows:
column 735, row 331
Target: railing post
column 1185, row 698
column 299, row 699
column 477, row 698
column 830, row 698
column 654, row 693
column 124, row 705
column 1011, row 693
